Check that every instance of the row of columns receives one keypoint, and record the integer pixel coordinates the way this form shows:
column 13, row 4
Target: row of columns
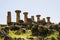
column 25, row 17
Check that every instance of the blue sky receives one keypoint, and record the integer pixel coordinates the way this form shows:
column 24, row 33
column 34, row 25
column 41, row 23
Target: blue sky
column 43, row 7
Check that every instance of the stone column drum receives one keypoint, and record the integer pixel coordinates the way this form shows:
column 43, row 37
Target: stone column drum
column 32, row 18
column 38, row 18
column 8, row 17
column 25, row 17
column 48, row 20
column 17, row 15
column 44, row 19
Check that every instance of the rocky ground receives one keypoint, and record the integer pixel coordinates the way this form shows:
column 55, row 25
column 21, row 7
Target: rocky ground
column 28, row 34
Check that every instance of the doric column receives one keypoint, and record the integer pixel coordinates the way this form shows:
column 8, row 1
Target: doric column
column 44, row 19
column 48, row 20
column 38, row 18
column 8, row 17
column 32, row 18
column 17, row 15
column 25, row 17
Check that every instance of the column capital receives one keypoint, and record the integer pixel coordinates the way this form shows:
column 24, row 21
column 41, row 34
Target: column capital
column 48, row 17
column 9, row 12
column 25, row 13
column 38, row 15
column 32, row 16
column 18, row 11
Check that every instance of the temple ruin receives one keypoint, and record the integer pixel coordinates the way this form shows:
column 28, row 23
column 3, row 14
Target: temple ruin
column 26, row 19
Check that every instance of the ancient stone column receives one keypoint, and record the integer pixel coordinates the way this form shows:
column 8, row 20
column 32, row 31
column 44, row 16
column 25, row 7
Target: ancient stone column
column 38, row 18
column 25, row 17
column 8, row 17
column 17, row 15
column 32, row 18
column 44, row 19
column 48, row 20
